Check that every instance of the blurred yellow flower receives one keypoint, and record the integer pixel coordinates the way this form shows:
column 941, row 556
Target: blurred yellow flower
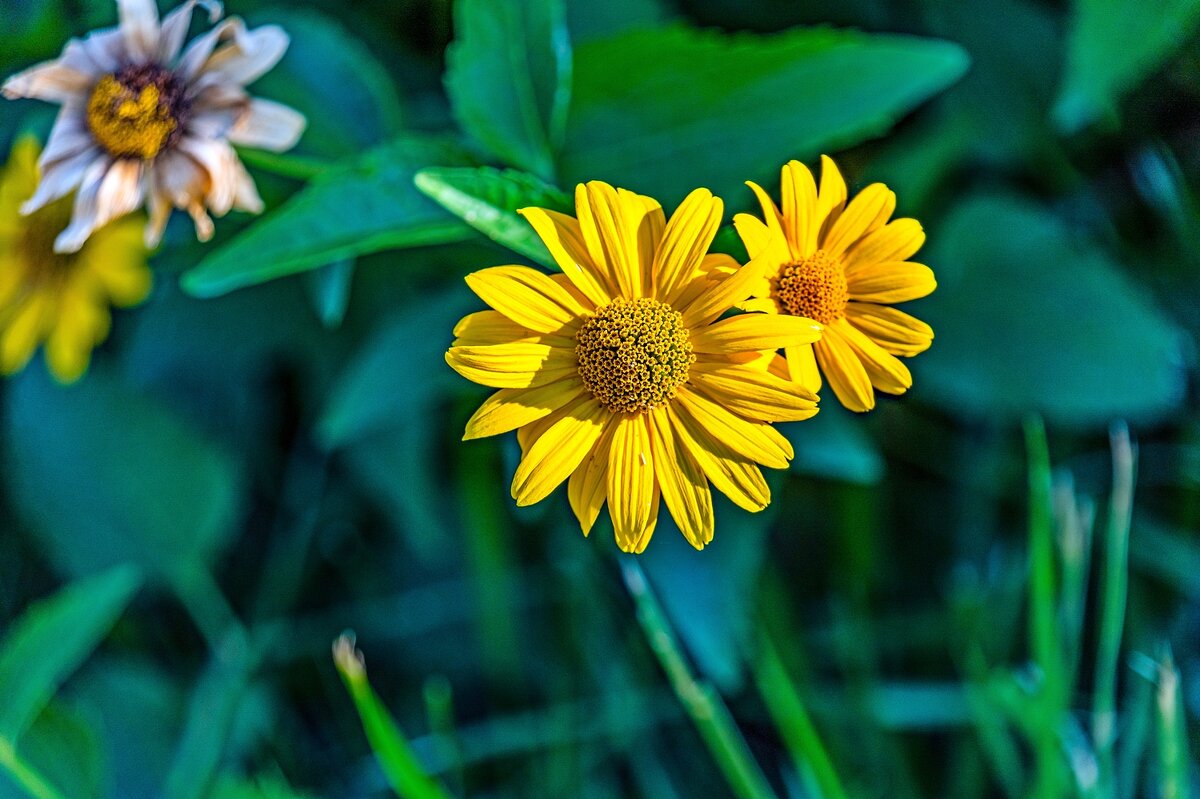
column 841, row 265
column 60, row 299
column 618, row 373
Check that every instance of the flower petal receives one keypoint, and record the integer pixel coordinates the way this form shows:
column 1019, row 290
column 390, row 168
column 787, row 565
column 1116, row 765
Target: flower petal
column 755, row 331
column 528, row 297
column 139, row 26
column 891, row 282
column 488, row 327
column 846, row 374
column 854, row 222
column 898, row 240
column 632, row 491
column 510, row 408
column 250, row 55
column 614, row 231
column 175, row 27
column 680, row 481
column 753, row 393
column 558, row 451
column 81, row 323
column 685, row 242
column 268, row 125
column 755, row 441
column 831, row 198
column 894, row 330
column 718, row 298
column 519, row 365
column 24, row 329
column 729, row 473
column 799, row 194
column 802, row 367
column 886, row 371
column 771, row 215
column 588, row 487
column 52, row 81
column 563, row 238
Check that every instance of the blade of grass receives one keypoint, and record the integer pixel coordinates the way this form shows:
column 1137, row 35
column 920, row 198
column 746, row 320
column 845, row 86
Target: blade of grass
column 1043, row 631
column 404, row 773
column 790, row 716
column 24, row 775
column 1134, row 737
column 1172, row 733
column 1113, row 592
column 702, row 703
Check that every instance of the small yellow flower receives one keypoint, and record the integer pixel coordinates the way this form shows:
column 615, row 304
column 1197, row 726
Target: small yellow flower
column 842, row 265
column 60, row 299
column 619, row 373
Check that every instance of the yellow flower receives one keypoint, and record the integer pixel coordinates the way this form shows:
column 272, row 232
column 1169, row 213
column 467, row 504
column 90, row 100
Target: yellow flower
column 842, row 265
column 618, row 373
column 60, row 299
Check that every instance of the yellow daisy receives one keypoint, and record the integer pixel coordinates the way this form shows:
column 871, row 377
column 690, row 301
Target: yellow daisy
column 842, row 265
column 61, row 300
column 620, row 373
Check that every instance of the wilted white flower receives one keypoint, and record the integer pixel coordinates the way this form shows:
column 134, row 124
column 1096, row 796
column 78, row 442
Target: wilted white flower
column 146, row 121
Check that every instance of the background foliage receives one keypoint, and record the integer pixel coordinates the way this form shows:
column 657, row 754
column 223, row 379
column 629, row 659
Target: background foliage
column 945, row 599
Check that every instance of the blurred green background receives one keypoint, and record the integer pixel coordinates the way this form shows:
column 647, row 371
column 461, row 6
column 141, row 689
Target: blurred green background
column 986, row 588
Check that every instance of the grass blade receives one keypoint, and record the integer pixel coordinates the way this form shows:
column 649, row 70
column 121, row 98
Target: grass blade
column 404, row 773
column 1172, row 732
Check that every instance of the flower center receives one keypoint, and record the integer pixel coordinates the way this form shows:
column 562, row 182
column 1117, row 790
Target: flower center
column 814, row 288
column 35, row 242
column 634, row 354
column 136, row 112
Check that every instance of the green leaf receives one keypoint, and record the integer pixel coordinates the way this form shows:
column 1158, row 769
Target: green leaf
column 105, row 475
column 349, row 100
column 362, row 206
column 662, row 111
column 230, row 787
column 52, row 638
column 62, row 746
column 509, row 78
column 1113, row 45
column 1029, row 318
column 833, row 445
column 400, row 765
column 487, row 199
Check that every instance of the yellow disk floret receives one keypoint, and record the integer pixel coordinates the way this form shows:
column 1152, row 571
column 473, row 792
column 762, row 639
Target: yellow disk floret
column 815, row 288
column 634, row 354
column 130, row 121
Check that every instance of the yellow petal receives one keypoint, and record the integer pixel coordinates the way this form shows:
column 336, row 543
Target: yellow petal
column 588, row 487
column 685, row 242
column 81, row 325
column 755, row 331
column 510, row 408
column 24, row 330
column 528, row 297
column 898, row 240
column 681, row 482
column 847, row 376
column 520, row 365
column 651, row 226
column 802, row 367
column 761, row 305
column 489, row 327
column 859, row 215
column 799, row 194
column 559, row 450
column 891, row 282
column 616, row 235
column 718, row 298
column 563, row 238
column 771, row 215
column 894, row 330
column 761, row 241
column 632, row 491
column 758, row 442
column 886, row 371
column 753, row 393
column 884, row 214
column 831, row 199
column 732, row 475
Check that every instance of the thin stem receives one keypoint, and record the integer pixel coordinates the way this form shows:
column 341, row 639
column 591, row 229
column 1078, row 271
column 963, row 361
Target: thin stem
column 791, row 717
column 701, row 702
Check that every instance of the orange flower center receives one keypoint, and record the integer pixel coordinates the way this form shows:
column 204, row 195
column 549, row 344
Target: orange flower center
column 634, row 354
column 136, row 113
column 814, row 288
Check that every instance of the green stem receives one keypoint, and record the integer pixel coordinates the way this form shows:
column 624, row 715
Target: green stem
column 1113, row 594
column 791, row 717
column 288, row 166
column 701, row 702
column 24, row 775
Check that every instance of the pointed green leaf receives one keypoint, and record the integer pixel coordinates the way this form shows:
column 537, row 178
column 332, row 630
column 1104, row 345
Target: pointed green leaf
column 362, row 206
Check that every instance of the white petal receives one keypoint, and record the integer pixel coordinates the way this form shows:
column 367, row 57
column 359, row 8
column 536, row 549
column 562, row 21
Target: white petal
column 246, row 197
column 269, row 125
column 221, row 163
column 83, row 218
column 139, row 26
column 250, row 54
column 52, row 81
column 159, row 205
column 175, row 27
column 105, row 49
column 68, row 137
column 60, row 179
column 180, row 178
